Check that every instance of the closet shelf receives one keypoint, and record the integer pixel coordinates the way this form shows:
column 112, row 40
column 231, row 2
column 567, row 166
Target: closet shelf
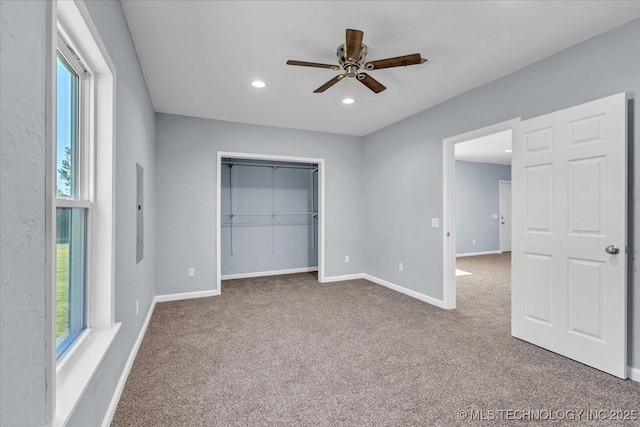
column 265, row 165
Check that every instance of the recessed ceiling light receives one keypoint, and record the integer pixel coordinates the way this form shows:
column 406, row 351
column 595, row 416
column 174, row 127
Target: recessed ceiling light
column 348, row 101
column 507, row 151
column 258, row 83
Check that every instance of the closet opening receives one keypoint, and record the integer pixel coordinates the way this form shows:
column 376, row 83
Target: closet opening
column 270, row 216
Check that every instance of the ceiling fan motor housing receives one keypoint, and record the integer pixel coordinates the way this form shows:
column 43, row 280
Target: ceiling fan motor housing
column 351, row 68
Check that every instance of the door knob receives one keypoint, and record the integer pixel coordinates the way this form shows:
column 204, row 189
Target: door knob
column 612, row 249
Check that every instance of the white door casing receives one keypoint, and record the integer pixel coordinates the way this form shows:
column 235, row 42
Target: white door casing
column 505, row 216
column 569, row 204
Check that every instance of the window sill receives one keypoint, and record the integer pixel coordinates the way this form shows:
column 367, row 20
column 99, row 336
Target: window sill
column 78, row 369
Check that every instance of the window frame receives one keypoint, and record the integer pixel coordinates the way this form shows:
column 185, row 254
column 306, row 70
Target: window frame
column 68, row 378
column 82, row 197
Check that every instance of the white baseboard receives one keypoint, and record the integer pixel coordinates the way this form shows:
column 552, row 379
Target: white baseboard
column 343, row 277
column 478, row 253
column 268, row 273
column 409, row 292
column 186, row 295
column 633, row 373
column 111, row 410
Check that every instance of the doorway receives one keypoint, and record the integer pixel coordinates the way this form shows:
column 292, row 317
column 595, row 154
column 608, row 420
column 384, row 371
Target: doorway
column 490, row 215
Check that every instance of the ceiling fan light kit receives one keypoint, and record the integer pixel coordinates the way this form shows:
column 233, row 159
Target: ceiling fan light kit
column 352, row 57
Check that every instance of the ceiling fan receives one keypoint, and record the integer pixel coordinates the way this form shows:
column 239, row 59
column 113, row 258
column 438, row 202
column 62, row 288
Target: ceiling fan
column 352, row 59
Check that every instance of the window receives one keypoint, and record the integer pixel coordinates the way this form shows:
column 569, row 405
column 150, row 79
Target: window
column 73, row 207
column 81, row 209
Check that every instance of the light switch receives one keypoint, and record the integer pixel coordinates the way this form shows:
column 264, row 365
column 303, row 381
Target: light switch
column 435, row 222
column 494, row 216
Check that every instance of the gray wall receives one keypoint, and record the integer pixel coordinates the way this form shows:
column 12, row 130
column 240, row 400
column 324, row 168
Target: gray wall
column 476, row 199
column 23, row 206
column 22, row 209
column 135, row 143
column 258, row 244
column 407, row 156
column 187, row 155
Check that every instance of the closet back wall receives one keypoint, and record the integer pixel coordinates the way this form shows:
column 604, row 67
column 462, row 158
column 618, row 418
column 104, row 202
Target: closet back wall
column 268, row 217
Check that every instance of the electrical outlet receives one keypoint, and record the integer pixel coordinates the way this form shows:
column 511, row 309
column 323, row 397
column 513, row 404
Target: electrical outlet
column 473, row 241
column 400, row 266
column 192, row 271
column 346, row 259
column 137, row 307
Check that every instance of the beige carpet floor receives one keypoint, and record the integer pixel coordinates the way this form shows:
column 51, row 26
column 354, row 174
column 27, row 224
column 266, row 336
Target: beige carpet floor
column 286, row 350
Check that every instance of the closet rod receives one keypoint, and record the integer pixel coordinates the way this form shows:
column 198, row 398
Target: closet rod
column 270, row 166
column 264, row 224
column 269, row 213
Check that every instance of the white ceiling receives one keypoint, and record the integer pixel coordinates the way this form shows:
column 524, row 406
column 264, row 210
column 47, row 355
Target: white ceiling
column 487, row 149
column 199, row 57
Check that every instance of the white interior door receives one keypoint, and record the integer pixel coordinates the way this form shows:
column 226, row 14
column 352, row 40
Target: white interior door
column 569, row 233
column 505, row 216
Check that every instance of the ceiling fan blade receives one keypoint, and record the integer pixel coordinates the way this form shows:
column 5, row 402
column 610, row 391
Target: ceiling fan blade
column 398, row 61
column 312, row 64
column 330, row 83
column 353, row 45
column 371, row 83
